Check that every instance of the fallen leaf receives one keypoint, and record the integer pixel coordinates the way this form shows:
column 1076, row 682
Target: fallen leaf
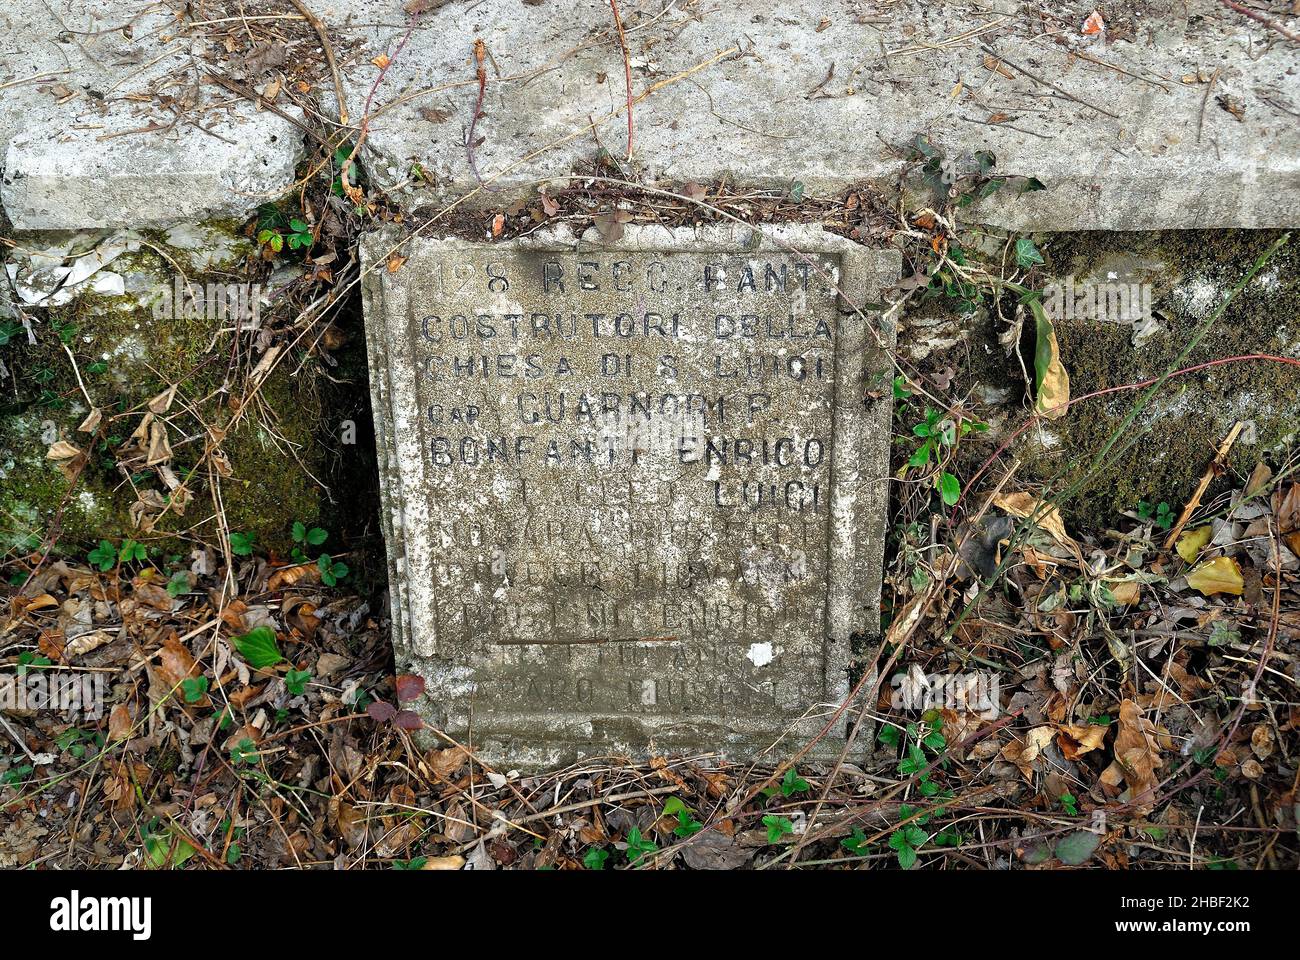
column 1078, row 739
column 409, row 686
column 1137, row 756
column 1051, row 379
column 1023, row 505
column 1094, row 24
column 443, row 863
column 1024, row 752
column 1220, row 575
column 119, row 723
column 1193, row 542
column 1075, row 848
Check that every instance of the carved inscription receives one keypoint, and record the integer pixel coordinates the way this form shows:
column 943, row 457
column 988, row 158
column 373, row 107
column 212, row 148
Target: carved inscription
column 631, row 454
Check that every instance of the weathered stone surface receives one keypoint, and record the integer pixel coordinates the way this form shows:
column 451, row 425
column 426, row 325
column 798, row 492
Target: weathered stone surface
column 89, row 132
column 827, row 94
column 635, row 491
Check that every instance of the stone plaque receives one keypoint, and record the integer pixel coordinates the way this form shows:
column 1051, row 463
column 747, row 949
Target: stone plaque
column 634, row 492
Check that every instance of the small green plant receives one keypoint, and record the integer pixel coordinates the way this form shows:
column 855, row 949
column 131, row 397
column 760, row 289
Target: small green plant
column 1161, row 514
column 907, row 840
column 241, row 544
column 638, row 847
column 304, row 536
column 243, row 752
column 194, row 689
column 166, row 848
column 178, row 584
column 234, row 851
column 687, row 825
column 1223, row 633
column 103, row 556
column 1069, row 803
column 295, row 681
column 777, row 827
column 331, row 571
column 132, row 551
column 27, row 660
column 16, row 775
column 77, row 741
column 937, row 433
column 275, row 230
column 595, row 859
column 415, row 863
column 792, row 783
column 856, row 843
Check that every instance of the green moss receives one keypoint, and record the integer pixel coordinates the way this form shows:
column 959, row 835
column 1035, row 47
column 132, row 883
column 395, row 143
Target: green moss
column 126, row 357
column 1177, row 434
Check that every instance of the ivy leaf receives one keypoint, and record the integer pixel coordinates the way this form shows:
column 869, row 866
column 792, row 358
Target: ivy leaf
column 1051, row 381
column 1027, row 254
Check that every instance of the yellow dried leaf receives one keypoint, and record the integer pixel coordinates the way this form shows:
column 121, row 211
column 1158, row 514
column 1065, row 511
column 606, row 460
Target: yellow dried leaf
column 1193, row 542
column 1023, row 505
column 1220, row 575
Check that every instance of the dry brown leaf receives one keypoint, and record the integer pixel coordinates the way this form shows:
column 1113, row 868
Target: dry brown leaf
column 1137, row 756
column 175, row 663
column 1024, row 752
column 119, row 723
column 443, row 863
column 1023, row 505
column 62, row 450
column 1078, row 739
column 289, row 576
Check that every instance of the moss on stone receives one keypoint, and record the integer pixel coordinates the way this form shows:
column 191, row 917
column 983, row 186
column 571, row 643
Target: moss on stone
column 1175, row 437
column 126, row 357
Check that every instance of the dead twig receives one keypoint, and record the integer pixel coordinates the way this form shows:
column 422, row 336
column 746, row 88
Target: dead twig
column 627, row 71
column 1047, row 83
column 1210, row 473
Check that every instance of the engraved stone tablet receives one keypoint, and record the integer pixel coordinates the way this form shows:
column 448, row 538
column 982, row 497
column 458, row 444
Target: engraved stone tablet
column 634, row 492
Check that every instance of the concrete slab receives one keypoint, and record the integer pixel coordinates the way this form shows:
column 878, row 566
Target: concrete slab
column 824, row 94
column 103, row 125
